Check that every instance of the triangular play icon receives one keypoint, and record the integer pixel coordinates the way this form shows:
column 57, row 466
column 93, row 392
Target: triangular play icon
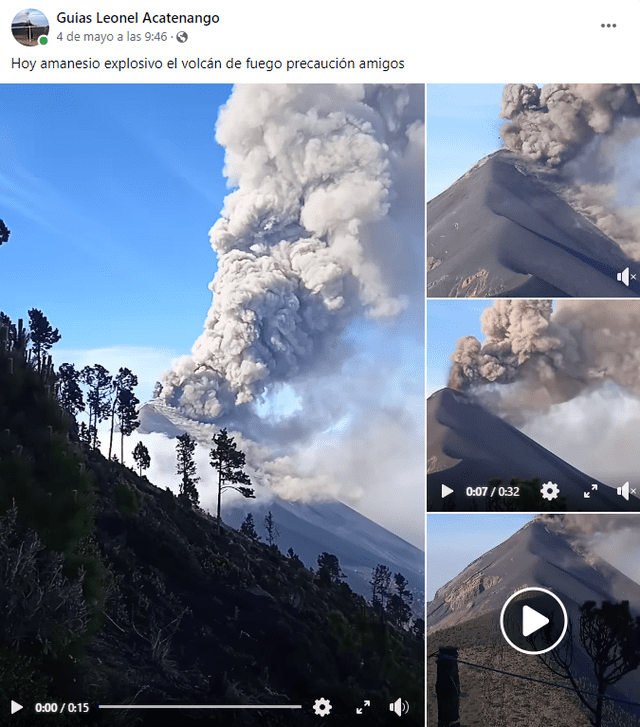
column 15, row 707
column 446, row 491
column 532, row 621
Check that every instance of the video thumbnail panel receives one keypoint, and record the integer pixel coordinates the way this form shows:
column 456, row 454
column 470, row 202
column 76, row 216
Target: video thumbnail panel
column 531, row 618
column 181, row 472
column 533, row 405
column 533, row 190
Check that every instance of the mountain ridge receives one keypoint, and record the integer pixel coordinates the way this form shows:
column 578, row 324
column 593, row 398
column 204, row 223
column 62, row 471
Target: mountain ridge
column 501, row 231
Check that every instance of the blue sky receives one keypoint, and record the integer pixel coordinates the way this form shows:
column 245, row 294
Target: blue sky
column 463, row 126
column 447, row 321
column 109, row 192
column 454, row 541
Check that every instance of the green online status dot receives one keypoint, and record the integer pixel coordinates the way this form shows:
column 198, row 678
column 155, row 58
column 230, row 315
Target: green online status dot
column 43, row 40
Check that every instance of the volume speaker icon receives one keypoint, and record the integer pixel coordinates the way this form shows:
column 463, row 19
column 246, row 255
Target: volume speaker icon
column 624, row 490
column 400, row 707
column 623, row 277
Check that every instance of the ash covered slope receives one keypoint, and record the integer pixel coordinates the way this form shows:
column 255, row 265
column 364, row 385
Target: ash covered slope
column 535, row 556
column 482, row 447
column 359, row 543
column 500, row 230
column 311, row 528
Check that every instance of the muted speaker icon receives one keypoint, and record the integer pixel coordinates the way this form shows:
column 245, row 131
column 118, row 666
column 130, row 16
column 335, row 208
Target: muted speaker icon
column 623, row 277
column 624, row 490
column 400, row 707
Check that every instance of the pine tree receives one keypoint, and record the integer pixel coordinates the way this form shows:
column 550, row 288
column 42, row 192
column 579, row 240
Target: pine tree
column 187, row 468
column 399, row 606
column 380, row 584
column 41, row 334
column 272, row 531
column 4, row 232
column 142, row 457
column 329, row 568
column 69, row 391
column 248, row 528
column 293, row 556
column 100, row 386
column 9, row 336
column 127, row 416
column 229, row 463
column 123, row 381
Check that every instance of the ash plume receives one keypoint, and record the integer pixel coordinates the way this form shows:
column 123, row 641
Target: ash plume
column 585, row 137
column 567, row 375
column 613, row 537
column 553, row 123
column 543, row 356
column 298, row 252
column 320, row 250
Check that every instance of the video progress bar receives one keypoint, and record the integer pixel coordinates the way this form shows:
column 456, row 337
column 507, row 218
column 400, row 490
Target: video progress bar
column 199, row 706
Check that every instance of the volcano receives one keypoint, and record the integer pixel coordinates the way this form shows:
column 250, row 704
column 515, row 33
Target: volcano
column 502, row 230
column 468, row 446
column 312, row 527
column 465, row 613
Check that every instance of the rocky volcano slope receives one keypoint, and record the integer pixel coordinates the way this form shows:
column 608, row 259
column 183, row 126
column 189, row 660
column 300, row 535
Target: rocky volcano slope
column 500, row 230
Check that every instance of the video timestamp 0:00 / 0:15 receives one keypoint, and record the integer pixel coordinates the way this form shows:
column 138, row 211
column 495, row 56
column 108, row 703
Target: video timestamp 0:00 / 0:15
column 60, row 708
column 491, row 492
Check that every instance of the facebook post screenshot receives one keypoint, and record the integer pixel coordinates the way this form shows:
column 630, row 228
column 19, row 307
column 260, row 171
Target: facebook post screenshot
column 212, row 355
column 532, row 368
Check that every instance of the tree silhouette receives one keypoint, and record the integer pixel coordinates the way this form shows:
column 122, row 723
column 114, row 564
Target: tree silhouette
column 187, row 468
column 292, row 555
column 69, row 391
column 123, row 381
column 141, row 457
column 248, row 528
column 9, row 336
column 380, row 584
column 41, row 334
column 272, row 531
column 127, row 412
column 98, row 379
column 399, row 605
column 229, row 463
column 329, row 568
column 610, row 637
column 4, row 232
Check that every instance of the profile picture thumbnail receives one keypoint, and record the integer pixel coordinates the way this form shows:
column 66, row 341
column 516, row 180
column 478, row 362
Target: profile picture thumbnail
column 30, row 27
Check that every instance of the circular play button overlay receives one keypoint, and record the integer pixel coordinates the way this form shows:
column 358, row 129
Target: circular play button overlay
column 533, row 620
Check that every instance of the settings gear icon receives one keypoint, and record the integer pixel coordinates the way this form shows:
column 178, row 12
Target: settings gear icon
column 322, row 707
column 549, row 491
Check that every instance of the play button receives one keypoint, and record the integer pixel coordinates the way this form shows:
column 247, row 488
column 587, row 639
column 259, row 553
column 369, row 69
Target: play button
column 15, row 707
column 533, row 620
column 446, row 491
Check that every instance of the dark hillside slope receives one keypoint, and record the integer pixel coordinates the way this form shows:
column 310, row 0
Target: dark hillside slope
column 177, row 613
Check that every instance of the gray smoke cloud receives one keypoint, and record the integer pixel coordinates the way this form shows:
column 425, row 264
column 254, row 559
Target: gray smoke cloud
column 566, row 374
column 319, row 293
column 553, row 123
column 299, row 255
column 585, row 136
column 613, row 537
column 544, row 356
